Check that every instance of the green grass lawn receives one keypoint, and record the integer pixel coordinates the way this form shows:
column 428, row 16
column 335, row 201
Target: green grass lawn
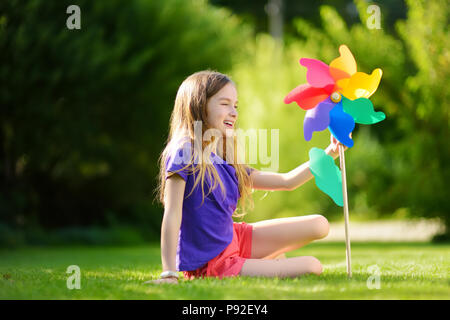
column 407, row 271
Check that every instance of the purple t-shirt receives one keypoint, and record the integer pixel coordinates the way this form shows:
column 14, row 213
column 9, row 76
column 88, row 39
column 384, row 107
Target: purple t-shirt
column 206, row 229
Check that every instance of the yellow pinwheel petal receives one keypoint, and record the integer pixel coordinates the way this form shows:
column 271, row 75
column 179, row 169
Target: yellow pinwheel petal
column 341, row 84
column 362, row 85
column 344, row 66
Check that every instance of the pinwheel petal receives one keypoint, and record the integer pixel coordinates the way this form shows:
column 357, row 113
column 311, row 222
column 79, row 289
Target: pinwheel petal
column 317, row 119
column 341, row 125
column 343, row 83
column 307, row 97
column 327, row 175
column 362, row 111
column 344, row 66
column 362, row 85
column 318, row 74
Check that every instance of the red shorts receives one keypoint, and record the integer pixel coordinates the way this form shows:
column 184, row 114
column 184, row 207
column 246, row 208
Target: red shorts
column 230, row 261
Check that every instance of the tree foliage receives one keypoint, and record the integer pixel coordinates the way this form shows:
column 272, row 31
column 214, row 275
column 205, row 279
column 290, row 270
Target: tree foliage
column 84, row 113
column 398, row 166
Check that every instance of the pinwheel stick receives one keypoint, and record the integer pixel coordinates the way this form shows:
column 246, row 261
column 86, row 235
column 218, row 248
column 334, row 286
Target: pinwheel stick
column 344, row 193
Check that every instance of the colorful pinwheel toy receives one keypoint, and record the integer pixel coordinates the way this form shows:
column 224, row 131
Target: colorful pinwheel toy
column 336, row 97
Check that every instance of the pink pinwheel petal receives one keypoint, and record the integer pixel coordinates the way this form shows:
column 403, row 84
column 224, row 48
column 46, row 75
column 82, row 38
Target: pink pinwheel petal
column 307, row 97
column 318, row 74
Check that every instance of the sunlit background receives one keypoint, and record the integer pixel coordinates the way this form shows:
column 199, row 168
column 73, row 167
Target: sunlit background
column 84, row 113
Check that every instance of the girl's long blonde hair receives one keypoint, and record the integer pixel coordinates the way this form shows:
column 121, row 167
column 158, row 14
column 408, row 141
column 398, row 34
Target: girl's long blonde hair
column 190, row 106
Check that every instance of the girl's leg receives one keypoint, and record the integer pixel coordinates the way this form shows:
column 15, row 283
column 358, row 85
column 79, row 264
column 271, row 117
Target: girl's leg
column 270, row 238
column 280, row 256
column 290, row 267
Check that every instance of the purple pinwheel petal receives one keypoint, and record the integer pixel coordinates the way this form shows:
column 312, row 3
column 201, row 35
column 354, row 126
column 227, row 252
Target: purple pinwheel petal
column 341, row 125
column 318, row 118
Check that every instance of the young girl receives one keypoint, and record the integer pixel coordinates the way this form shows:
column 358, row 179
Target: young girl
column 200, row 187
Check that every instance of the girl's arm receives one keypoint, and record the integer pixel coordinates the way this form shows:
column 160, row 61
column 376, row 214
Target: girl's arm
column 173, row 204
column 291, row 180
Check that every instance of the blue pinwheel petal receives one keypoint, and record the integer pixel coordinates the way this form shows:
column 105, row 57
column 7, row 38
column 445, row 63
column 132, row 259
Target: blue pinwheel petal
column 341, row 125
column 318, row 118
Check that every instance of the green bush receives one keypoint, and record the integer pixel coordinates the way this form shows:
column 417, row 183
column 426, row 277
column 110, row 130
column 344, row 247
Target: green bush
column 410, row 172
column 398, row 167
column 98, row 236
column 84, row 113
column 11, row 238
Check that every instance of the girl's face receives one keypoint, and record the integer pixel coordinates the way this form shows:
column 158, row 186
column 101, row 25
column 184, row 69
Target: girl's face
column 221, row 109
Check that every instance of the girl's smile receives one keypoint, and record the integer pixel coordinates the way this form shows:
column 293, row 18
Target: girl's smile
column 229, row 123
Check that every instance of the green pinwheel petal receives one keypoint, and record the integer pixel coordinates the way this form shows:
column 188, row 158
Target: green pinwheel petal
column 327, row 175
column 362, row 111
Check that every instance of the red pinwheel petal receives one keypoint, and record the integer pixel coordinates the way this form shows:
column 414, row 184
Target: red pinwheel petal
column 307, row 97
column 318, row 74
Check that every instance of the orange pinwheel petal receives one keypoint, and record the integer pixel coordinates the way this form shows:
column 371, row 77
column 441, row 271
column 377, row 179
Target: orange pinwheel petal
column 362, row 85
column 344, row 66
column 306, row 96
